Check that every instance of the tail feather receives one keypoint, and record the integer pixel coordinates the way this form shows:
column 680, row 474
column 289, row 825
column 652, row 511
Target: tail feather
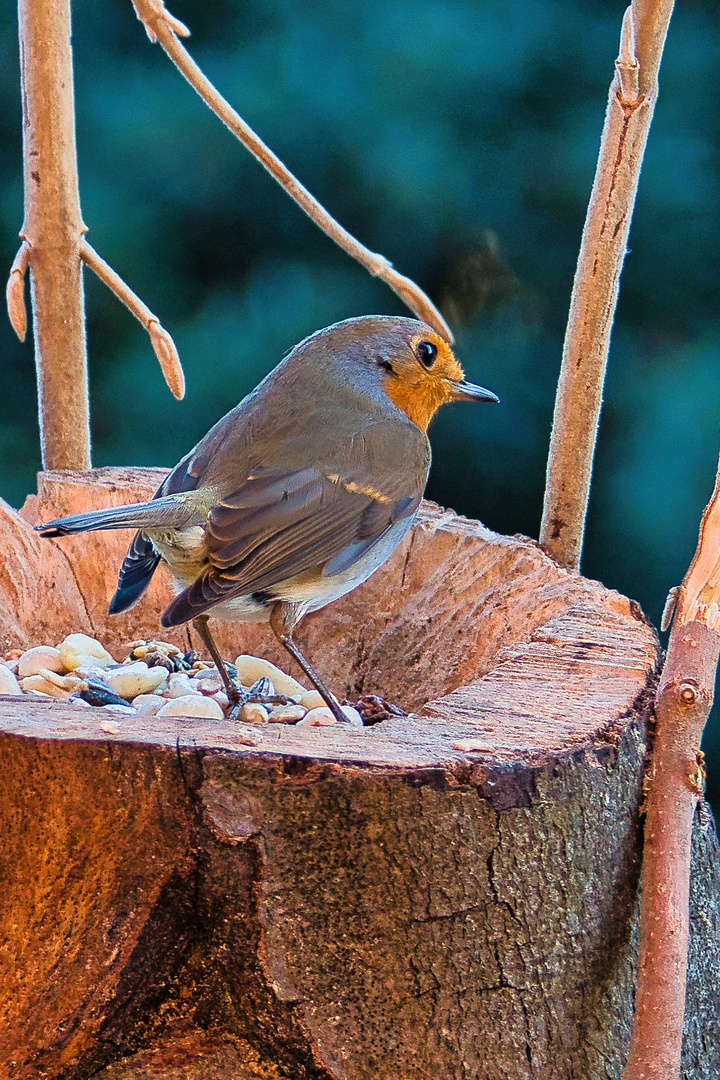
column 138, row 567
column 167, row 512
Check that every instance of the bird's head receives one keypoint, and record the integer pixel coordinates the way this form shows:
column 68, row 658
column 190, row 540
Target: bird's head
column 419, row 373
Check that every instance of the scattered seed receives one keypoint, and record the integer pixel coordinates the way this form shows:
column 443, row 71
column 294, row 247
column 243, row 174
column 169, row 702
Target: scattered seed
column 159, row 679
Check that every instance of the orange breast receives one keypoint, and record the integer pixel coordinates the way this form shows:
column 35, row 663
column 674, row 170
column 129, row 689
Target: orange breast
column 419, row 402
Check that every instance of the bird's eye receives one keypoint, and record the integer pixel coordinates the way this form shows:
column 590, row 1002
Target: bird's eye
column 426, row 353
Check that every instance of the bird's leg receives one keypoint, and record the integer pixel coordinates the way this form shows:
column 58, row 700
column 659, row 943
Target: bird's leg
column 283, row 619
column 235, row 693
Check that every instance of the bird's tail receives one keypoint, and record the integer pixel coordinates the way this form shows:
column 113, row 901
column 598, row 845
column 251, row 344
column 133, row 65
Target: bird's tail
column 167, row 512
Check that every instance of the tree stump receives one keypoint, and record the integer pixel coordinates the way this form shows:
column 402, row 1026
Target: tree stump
column 447, row 895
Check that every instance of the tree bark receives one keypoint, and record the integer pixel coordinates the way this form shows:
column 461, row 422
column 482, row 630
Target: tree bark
column 53, row 229
column 451, row 894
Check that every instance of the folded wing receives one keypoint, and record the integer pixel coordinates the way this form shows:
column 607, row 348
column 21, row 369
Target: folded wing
column 276, row 527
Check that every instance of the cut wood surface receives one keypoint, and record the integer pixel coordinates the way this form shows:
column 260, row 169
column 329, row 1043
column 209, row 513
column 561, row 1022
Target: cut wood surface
column 438, row 616
column 451, row 894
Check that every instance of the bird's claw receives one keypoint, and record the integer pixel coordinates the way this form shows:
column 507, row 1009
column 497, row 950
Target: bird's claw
column 262, row 692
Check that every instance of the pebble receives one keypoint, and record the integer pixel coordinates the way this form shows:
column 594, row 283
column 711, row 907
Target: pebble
column 254, row 713
column 207, row 682
column 90, row 670
column 46, row 672
column 8, row 682
column 320, row 717
column 43, row 685
column 192, row 705
column 41, row 656
column 63, row 682
column 312, row 699
column 79, row 649
column 181, row 685
column 353, row 716
column 129, row 680
column 252, row 668
column 287, row 714
column 148, row 704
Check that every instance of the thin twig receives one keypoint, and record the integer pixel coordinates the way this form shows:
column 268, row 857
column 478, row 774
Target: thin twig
column 592, row 308
column 15, row 291
column 52, row 230
column 161, row 340
column 682, row 704
column 162, row 27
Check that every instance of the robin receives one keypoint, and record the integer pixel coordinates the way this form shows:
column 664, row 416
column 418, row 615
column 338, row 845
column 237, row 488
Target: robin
column 301, row 492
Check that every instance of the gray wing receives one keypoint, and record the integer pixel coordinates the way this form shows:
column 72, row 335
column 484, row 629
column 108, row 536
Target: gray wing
column 314, row 520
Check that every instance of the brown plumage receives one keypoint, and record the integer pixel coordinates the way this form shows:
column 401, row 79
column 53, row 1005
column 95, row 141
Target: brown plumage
column 302, row 490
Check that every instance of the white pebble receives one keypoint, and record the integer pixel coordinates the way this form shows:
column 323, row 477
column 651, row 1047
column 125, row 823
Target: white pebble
column 312, row 699
column 222, row 699
column 128, row 709
column 148, row 704
column 129, row 680
column 192, row 705
column 90, row 670
column 207, row 682
column 287, row 714
column 41, row 656
column 252, row 668
column 181, row 685
column 8, row 682
column 43, row 686
column 64, row 682
column 109, row 727
column 79, row 649
column 320, row 717
column 353, row 716
column 254, row 713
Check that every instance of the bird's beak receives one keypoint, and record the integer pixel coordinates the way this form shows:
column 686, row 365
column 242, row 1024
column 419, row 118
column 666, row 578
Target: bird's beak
column 461, row 390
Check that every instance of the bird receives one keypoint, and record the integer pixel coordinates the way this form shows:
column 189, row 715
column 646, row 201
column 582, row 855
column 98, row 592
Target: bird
column 300, row 492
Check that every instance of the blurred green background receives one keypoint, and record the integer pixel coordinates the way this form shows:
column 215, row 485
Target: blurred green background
column 458, row 138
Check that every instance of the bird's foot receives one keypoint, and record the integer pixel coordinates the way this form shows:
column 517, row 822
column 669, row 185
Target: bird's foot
column 262, row 692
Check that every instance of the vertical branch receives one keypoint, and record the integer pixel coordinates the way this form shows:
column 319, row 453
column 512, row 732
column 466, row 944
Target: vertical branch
column 682, row 704
column 633, row 93
column 52, row 229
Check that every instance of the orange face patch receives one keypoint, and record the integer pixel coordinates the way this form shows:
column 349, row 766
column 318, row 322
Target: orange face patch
column 417, row 390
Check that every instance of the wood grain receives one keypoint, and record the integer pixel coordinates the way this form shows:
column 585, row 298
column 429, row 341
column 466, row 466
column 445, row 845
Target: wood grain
column 452, row 893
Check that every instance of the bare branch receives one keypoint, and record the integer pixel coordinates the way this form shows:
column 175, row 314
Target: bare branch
column 161, row 340
column 592, row 308
column 163, row 28
column 682, row 704
column 15, row 291
column 53, row 228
